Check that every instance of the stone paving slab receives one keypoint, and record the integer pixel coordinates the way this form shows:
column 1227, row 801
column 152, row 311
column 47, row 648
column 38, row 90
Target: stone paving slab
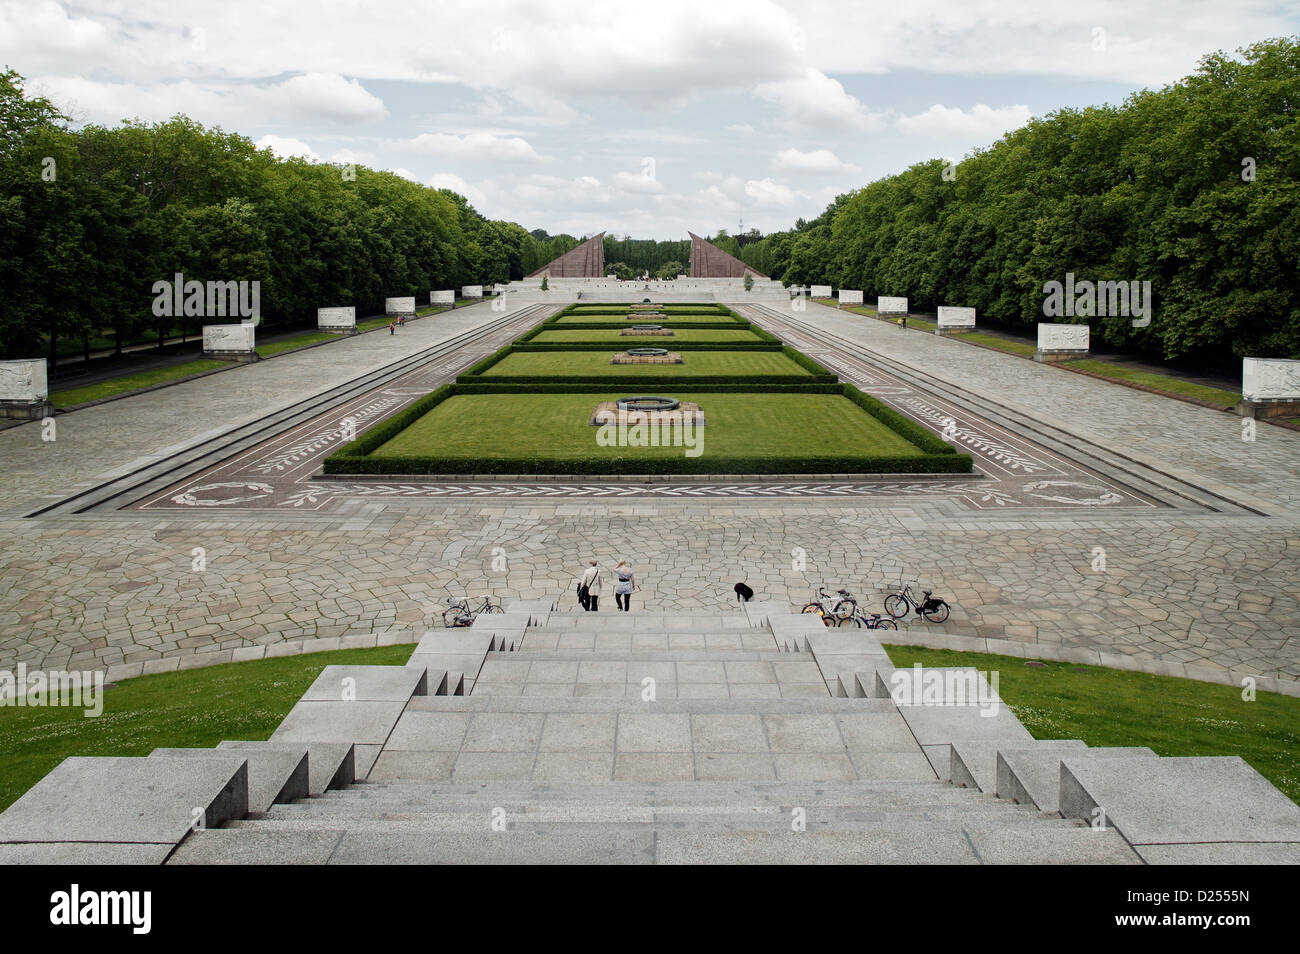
column 1180, row 800
column 362, row 723
column 975, row 762
column 274, row 774
column 127, row 800
column 81, row 853
column 331, row 765
column 367, row 684
column 1032, row 775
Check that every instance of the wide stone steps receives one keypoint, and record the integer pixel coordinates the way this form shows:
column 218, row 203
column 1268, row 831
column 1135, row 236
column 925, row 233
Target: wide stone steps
column 657, row 845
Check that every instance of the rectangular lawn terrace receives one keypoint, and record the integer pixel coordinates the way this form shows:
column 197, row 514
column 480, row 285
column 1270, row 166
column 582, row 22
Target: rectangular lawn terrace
column 527, row 410
column 555, row 427
column 559, row 365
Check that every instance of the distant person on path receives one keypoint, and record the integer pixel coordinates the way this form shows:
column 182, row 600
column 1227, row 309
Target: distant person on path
column 625, row 585
column 902, row 322
column 589, row 589
column 390, row 329
column 401, row 320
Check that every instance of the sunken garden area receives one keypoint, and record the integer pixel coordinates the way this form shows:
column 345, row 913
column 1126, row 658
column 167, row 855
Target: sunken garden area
column 763, row 407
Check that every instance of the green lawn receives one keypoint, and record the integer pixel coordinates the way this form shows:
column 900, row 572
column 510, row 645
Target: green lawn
column 612, row 336
column 296, row 341
column 133, row 382
column 1173, row 717
column 193, row 708
column 554, row 426
column 558, row 365
column 1164, row 382
column 1026, row 349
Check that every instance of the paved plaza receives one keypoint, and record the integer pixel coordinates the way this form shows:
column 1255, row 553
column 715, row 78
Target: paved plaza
column 1197, row 529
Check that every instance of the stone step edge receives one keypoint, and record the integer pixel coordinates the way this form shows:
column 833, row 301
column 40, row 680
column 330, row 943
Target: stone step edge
column 977, row 644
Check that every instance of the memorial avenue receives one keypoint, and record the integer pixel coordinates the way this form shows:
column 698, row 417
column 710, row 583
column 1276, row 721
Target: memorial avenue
column 343, row 524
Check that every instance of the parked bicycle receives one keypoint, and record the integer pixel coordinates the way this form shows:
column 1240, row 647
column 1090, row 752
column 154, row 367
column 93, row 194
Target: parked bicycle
column 869, row 621
column 928, row 607
column 832, row 615
column 460, row 612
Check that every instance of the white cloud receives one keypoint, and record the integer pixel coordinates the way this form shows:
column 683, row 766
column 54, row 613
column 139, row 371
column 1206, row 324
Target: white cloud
column 329, row 96
column 815, row 99
column 817, row 162
column 977, row 124
column 285, row 147
column 636, row 182
column 769, row 192
column 477, row 146
column 310, row 98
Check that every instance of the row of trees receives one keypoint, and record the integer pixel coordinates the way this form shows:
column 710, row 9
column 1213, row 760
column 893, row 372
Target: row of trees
column 1195, row 188
column 90, row 218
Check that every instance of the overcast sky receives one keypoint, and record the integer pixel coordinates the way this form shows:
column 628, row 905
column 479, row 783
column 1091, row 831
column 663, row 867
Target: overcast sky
column 638, row 118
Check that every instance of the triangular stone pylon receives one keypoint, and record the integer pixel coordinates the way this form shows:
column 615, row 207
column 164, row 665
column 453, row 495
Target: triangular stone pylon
column 585, row 261
column 709, row 261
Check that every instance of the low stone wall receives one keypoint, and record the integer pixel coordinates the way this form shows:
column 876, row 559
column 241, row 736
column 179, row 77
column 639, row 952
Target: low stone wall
column 607, row 412
column 672, row 357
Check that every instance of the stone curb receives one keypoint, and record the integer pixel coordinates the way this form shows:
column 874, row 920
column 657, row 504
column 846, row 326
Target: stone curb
column 974, row 644
column 635, row 478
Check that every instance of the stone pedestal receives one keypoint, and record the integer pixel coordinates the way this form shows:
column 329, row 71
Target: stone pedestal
column 886, row 305
column 230, row 343
column 1057, row 343
column 400, row 306
column 1270, row 387
column 446, row 298
column 24, row 390
column 954, row 320
column 850, row 297
column 339, row 321
column 471, row 291
column 820, row 291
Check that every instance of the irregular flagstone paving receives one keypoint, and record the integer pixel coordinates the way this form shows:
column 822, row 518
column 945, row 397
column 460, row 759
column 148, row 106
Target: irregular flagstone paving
column 121, row 589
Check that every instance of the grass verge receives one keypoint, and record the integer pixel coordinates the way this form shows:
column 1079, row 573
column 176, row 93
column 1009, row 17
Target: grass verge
column 1171, row 716
column 1167, row 383
column 67, row 397
column 194, row 708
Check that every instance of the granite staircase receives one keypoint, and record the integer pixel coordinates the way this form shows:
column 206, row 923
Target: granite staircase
column 536, row 736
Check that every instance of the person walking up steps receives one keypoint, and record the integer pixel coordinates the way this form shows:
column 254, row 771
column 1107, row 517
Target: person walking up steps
column 591, row 587
column 625, row 585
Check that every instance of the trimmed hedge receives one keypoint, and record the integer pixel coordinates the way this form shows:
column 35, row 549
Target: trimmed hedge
column 615, row 381
column 487, row 386
column 904, row 427
column 818, row 374
column 931, row 464
column 642, row 342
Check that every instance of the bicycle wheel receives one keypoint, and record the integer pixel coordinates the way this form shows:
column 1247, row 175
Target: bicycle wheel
column 494, row 608
column 850, row 621
column 846, row 609
column 883, row 623
column 896, row 606
column 812, row 608
column 937, row 612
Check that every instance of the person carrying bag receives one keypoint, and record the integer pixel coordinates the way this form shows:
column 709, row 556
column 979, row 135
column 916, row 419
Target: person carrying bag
column 589, row 588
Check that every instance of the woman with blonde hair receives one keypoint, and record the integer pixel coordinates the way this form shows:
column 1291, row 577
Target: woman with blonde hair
column 625, row 585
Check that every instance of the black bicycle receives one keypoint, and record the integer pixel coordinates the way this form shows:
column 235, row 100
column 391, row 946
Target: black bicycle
column 869, row 621
column 929, row 608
